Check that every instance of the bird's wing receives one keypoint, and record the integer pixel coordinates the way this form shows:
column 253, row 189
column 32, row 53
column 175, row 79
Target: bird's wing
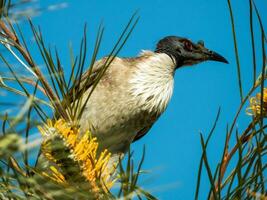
column 142, row 132
column 145, row 130
column 86, row 81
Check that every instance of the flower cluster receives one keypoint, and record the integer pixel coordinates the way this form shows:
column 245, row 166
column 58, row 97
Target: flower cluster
column 82, row 150
column 255, row 107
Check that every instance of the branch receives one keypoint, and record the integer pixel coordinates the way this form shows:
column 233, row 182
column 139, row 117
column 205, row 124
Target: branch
column 245, row 137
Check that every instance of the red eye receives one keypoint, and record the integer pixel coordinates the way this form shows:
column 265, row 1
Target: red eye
column 188, row 46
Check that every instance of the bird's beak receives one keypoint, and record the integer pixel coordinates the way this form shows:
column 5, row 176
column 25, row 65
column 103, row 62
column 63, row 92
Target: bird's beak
column 207, row 54
column 212, row 55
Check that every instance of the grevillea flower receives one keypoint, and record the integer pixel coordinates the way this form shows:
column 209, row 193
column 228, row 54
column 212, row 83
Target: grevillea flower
column 83, row 151
column 255, row 105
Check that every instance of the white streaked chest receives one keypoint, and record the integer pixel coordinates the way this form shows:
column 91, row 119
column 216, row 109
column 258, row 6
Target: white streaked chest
column 152, row 83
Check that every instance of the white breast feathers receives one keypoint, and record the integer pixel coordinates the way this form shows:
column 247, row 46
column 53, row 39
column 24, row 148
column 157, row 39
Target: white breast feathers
column 152, row 83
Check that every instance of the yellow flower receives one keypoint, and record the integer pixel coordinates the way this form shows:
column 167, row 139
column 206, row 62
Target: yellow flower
column 255, row 104
column 83, row 150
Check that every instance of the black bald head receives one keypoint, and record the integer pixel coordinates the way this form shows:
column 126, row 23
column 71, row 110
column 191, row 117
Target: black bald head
column 185, row 52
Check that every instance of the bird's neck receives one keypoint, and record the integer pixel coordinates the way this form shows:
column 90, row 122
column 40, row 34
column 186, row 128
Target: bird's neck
column 152, row 82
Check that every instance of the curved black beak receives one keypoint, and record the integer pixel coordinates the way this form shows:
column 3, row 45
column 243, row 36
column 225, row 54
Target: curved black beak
column 216, row 57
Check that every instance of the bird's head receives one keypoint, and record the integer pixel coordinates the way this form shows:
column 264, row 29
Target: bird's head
column 185, row 52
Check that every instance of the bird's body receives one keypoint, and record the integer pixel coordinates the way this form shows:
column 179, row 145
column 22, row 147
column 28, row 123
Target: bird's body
column 129, row 98
column 134, row 92
column 125, row 102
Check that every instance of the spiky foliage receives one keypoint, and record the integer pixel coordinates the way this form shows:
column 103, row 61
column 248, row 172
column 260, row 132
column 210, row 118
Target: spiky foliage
column 241, row 172
column 64, row 171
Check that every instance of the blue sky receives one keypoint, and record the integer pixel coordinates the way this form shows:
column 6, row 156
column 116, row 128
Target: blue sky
column 172, row 146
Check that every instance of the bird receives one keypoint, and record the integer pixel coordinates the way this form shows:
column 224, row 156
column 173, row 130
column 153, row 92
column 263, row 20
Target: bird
column 134, row 92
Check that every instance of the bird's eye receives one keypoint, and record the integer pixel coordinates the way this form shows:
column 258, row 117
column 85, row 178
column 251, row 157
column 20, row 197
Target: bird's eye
column 188, row 46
